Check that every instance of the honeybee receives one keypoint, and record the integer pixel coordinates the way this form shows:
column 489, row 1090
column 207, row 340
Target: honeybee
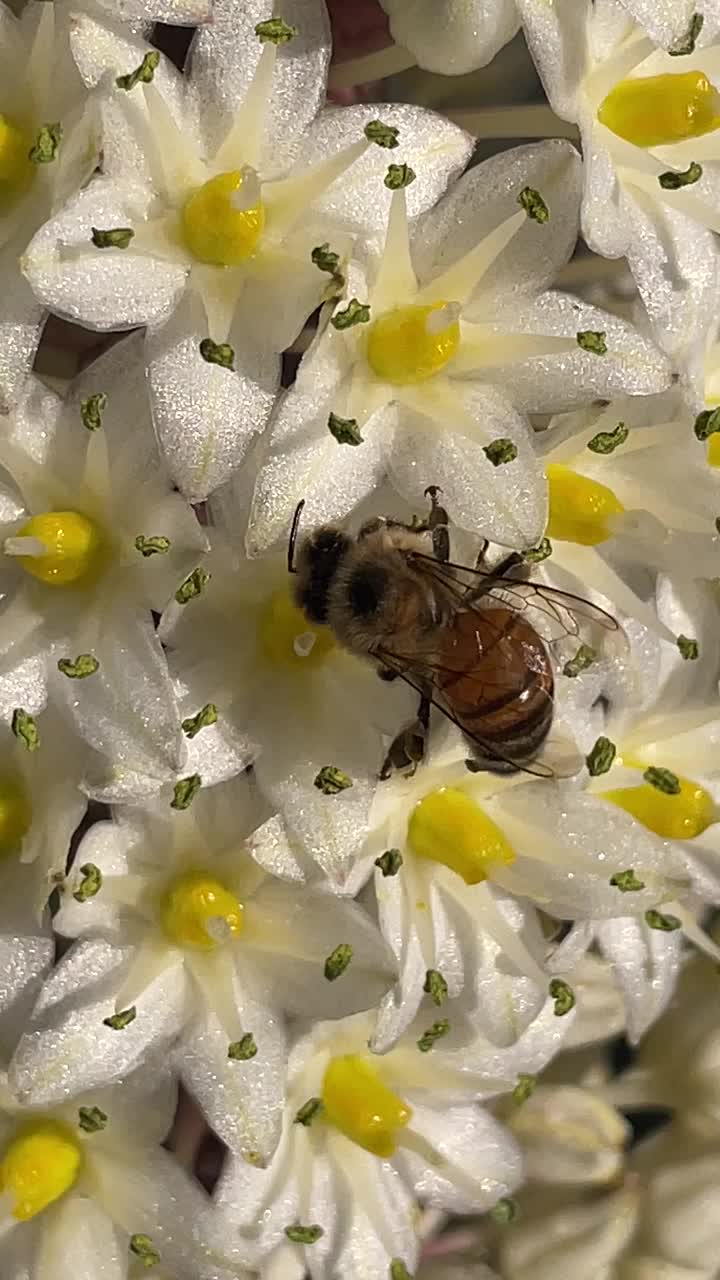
column 468, row 640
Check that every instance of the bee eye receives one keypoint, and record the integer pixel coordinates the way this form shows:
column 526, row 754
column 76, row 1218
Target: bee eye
column 366, row 590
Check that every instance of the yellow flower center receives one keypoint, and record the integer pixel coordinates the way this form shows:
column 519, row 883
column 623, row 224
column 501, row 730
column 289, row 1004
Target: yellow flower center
column 223, row 220
column 713, row 449
column 15, row 814
column 580, row 508
column 656, row 111
column 72, row 547
column 674, row 817
column 411, row 344
column 287, row 639
column 447, row 826
column 39, row 1166
column 16, row 171
column 358, row 1104
column 198, row 911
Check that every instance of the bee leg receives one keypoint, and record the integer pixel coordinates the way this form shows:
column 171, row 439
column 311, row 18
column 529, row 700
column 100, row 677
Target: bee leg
column 438, row 525
column 480, row 558
column 408, row 748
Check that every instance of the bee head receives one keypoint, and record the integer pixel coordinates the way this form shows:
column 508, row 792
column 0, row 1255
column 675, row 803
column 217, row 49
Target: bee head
column 318, row 559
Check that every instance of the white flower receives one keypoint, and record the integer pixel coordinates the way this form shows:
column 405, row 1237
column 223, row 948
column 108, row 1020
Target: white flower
column 289, row 701
column 459, row 833
column 43, row 115
column 601, row 70
column 387, row 1130
column 586, row 1239
column 569, row 1136
column 92, row 539
column 460, row 335
column 221, row 177
column 181, row 925
column 452, row 38
column 86, row 1190
column 139, row 12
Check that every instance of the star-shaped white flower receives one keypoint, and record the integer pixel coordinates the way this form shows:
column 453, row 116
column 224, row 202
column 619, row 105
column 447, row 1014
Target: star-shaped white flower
column 649, row 129
column 225, row 183
column 569, row 1135
column 47, row 150
column 178, row 923
column 292, row 703
column 363, row 1138
column 93, row 538
column 448, row 338
column 87, row 1190
column 451, row 38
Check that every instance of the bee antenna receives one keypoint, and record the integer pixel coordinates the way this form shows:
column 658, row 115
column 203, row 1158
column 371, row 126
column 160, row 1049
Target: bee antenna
column 293, row 537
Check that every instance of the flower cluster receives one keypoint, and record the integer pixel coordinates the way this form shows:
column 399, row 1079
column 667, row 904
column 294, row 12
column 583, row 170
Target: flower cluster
column 359, row 657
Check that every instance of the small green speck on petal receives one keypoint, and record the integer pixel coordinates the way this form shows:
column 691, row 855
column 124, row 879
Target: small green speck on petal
column 429, row 1038
column 304, row 1235
column 144, row 1249
column 663, row 780
column 119, row 1021
column 398, row 1270
column 533, row 204
column 389, row 862
column 524, row 1088
column 686, row 43
column 157, row 545
column 539, row 553
column 599, row 760
column 275, row 31
column 324, row 259
column 142, row 74
column 91, row 410
column 45, row 147
column 244, row 1049
column 707, row 423
column 563, row 995
column 689, row 649
column 354, row 313
column 609, row 441
column 435, row 986
column 90, row 884
column 206, row 716
column 504, row 1212
column 91, row 1119
column 583, row 659
column 627, row 881
column 80, row 668
column 592, row 340
column 345, row 430
column 193, row 585
column 24, row 726
column 217, row 353
column 399, row 176
column 662, row 921
column 338, row 961
column 330, row 780
column 308, row 1111
column 112, row 238
column 384, row 135
column 500, row 451
column 673, row 180
column 185, row 790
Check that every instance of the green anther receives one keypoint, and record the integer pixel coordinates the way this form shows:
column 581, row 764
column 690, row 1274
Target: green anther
column 113, row 238
column 324, row 259
column 627, row 881
column 384, row 135
column 184, row 791
column 91, row 411
column 338, row 961
column 398, row 1270
column 119, row 1021
column 707, row 423
column 330, row 780
column 218, row 353
column 275, row 31
column 206, row 716
column 155, row 546
column 583, row 659
column 434, row 1033
column 25, row 728
column 91, row 1119
column 524, row 1088
column 504, row 1212
column 592, row 340
column 500, row 451
column 142, row 74
column 686, row 43
column 600, row 758
column 399, row 176
column 355, row 313
column 435, row 986
column 609, row 441
column 539, row 553
column 144, row 1249
column 91, row 882
column 304, row 1235
column 673, row 181
column 192, row 586
column 345, row 430
column 689, row 649
column 308, row 1111
column 563, row 995
column 84, row 665
column 244, row 1049
column 45, row 147
column 389, row 862
column 663, row 780
column 533, row 204
column 662, row 921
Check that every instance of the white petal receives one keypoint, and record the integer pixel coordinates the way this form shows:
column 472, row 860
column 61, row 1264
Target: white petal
column 21, row 318
column 476, row 1163
column 570, row 1136
column 646, row 963
column 556, row 36
column 452, row 39
column 79, row 1242
column 576, row 1240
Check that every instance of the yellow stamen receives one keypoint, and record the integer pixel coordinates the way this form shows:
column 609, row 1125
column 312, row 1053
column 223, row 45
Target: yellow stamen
column 223, row 220
column 198, row 911
column 72, row 547
column 447, row 826
column 16, row 171
column 358, row 1104
column 674, row 817
column 38, row 1167
column 286, row 637
column 15, row 814
column 654, row 111
column 580, row 508
column 411, row 344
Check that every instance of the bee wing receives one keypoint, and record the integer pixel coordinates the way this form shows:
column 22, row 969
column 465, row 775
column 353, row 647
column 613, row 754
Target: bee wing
column 421, row 674
column 559, row 617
